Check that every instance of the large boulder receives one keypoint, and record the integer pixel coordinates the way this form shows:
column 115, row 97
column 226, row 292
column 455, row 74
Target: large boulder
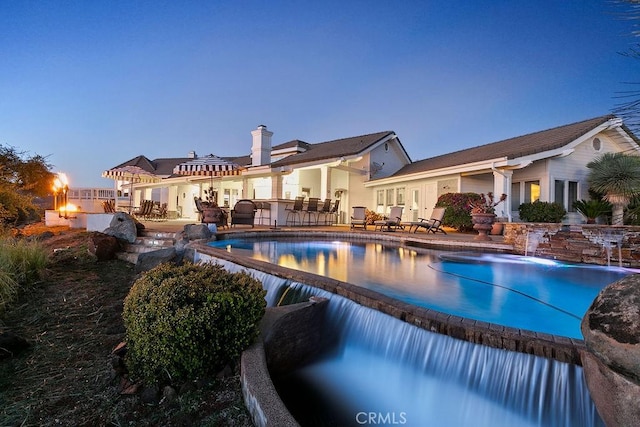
column 196, row 231
column 148, row 260
column 123, row 227
column 103, row 246
column 611, row 330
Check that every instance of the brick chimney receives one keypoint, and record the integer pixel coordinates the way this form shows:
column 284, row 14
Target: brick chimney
column 261, row 148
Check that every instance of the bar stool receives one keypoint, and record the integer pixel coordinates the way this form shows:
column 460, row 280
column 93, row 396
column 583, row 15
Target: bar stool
column 293, row 213
column 265, row 212
column 312, row 210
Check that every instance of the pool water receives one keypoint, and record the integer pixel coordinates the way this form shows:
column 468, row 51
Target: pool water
column 520, row 292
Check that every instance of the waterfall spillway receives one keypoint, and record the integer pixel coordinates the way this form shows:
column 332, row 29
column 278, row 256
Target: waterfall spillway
column 400, row 374
column 533, row 240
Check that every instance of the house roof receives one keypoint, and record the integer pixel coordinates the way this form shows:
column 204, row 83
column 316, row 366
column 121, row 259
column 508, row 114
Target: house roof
column 333, row 149
column 511, row 148
column 304, row 153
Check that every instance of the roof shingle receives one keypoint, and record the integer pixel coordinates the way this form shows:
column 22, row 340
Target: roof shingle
column 511, row 148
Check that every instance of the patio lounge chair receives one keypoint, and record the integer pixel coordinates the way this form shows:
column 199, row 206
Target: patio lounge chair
column 432, row 225
column 393, row 222
column 358, row 219
column 244, row 212
column 109, row 206
column 145, row 212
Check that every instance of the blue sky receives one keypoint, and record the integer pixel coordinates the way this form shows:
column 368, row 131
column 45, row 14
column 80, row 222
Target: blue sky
column 91, row 84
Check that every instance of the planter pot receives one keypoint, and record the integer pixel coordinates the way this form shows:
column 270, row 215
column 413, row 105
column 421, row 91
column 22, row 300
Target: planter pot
column 483, row 223
column 497, row 229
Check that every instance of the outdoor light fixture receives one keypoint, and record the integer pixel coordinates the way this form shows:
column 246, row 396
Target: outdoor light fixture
column 60, row 195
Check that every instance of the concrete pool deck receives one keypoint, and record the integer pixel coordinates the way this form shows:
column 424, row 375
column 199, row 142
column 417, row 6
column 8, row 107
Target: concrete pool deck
column 452, row 238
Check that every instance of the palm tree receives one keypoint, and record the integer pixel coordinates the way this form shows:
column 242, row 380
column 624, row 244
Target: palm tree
column 617, row 176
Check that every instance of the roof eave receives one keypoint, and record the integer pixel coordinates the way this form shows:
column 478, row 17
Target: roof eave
column 434, row 173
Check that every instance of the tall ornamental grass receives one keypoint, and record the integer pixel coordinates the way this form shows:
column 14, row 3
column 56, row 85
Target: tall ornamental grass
column 21, row 264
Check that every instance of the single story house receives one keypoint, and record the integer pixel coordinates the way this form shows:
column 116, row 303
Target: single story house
column 375, row 170
column 548, row 165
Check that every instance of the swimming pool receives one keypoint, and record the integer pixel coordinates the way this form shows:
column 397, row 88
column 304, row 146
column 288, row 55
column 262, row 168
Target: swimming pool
column 519, row 292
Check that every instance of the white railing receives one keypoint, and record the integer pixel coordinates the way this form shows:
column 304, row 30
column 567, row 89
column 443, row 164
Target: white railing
column 91, row 194
column 90, row 199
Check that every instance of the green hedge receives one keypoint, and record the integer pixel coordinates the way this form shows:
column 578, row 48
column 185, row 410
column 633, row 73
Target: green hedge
column 542, row 212
column 185, row 322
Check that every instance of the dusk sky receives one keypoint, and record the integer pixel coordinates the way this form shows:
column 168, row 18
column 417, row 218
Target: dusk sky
column 92, row 84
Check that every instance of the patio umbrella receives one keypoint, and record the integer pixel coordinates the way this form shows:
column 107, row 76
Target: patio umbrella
column 210, row 165
column 131, row 174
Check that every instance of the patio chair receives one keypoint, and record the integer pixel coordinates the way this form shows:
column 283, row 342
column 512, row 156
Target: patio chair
column 161, row 212
column 199, row 207
column 243, row 212
column 433, row 224
column 293, row 212
column 392, row 223
column 214, row 215
column 359, row 219
column 311, row 211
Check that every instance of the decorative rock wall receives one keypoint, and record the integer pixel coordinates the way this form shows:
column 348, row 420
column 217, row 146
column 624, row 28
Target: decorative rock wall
column 576, row 243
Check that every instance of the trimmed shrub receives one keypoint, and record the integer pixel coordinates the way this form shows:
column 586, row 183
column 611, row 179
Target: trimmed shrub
column 542, row 212
column 189, row 321
column 458, row 210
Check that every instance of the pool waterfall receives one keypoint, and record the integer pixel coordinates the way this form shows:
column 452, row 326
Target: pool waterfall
column 398, row 373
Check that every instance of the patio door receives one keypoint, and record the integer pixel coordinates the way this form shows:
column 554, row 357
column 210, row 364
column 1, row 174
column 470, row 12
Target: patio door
column 414, row 203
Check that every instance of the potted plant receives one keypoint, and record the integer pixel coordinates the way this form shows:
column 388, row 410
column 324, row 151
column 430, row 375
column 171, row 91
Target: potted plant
column 483, row 214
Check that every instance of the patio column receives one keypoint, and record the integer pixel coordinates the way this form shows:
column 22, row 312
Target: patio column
column 502, row 184
column 276, row 186
column 325, row 182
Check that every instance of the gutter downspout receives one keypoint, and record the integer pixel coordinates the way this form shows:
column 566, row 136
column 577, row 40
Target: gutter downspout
column 508, row 192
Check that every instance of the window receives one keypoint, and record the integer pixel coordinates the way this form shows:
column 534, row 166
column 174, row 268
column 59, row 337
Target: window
column 559, row 191
column 390, row 192
column 597, row 144
column 531, row 191
column 400, row 196
column 380, row 198
column 572, row 196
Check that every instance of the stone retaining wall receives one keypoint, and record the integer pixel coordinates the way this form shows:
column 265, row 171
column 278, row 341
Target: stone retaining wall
column 289, row 337
column 576, row 243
